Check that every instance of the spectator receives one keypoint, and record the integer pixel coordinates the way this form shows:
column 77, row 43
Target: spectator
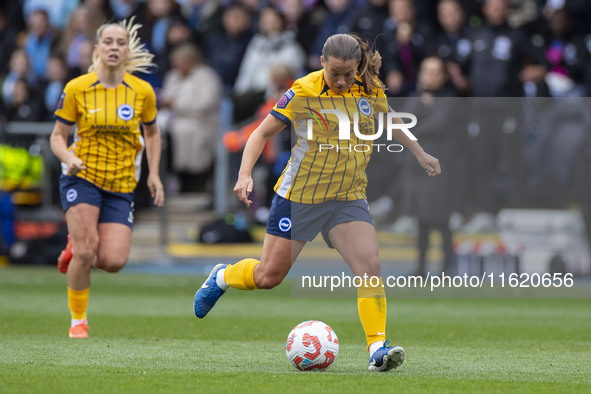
column 195, row 117
column 156, row 16
column 100, row 9
column 57, row 74
column 580, row 10
column 203, row 16
column 500, row 62
column 123, row 9
column 58, row 11
column 452, row 43
column 234, row 38
column 405, row 47
column 84, row 60
column 80, row 28
column 501, row 57
column 24, row 106
column 564, row 50
column 39, row 42
column 254, row 7
column 20, row 68
column 178, row 33
column 301, row 21
column 431, row 200
column 273, row 45
column 337, row 20
column 369, row 22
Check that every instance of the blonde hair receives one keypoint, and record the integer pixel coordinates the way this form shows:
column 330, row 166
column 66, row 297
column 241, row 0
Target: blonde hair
column 350, row 46
column 139, row 58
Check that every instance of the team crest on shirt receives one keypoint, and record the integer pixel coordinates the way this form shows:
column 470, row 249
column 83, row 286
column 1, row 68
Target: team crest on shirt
column 364, row 106
column 125, row 112
column 502, row 48
column 60, row 104
column 285, row 99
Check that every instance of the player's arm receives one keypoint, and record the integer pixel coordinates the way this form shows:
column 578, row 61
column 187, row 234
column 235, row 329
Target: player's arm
column 153, row 151
column 270, row 127
column 58, row 141
column 428, row 162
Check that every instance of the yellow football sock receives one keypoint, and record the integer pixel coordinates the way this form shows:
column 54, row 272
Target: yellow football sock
column 371, row 306
column 241, row 275
column 78, row 303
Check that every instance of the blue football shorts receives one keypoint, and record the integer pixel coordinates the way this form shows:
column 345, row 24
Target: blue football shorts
column 115, row 207
column 303, row 222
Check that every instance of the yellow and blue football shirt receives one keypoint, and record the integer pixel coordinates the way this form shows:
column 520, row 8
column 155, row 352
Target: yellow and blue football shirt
column 108, row 138
column 322, row 166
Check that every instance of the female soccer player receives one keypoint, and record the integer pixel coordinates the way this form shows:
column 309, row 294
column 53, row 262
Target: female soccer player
column 321, row 190
column 101, row 168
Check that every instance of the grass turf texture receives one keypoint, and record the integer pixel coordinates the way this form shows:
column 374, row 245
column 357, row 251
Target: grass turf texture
column 144, row 338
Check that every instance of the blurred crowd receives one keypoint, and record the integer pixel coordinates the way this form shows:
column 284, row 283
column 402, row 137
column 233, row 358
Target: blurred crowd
column 251, row 51
column 491, row 48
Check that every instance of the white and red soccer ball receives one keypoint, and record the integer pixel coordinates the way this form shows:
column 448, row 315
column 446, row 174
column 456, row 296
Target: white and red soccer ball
column 312, row 345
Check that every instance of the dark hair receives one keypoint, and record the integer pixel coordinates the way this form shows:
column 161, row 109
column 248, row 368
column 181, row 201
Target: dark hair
column 277, row 13
column 350, row 46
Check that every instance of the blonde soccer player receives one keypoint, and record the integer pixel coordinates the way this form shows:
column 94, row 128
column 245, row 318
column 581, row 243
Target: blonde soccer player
column 100, row 170
column 322, row 190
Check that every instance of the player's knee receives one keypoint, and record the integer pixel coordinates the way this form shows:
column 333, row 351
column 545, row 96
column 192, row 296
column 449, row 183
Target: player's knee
column 372, row 265
column 85, row 252
column 113, row 268
column 111, row 265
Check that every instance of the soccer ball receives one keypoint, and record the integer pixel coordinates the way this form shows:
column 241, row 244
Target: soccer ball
column 312, row 345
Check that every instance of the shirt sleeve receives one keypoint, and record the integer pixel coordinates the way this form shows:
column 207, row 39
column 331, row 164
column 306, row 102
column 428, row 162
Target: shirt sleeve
column 149, row 109
column 66, row 110
column 381, row 103
column 282, row 110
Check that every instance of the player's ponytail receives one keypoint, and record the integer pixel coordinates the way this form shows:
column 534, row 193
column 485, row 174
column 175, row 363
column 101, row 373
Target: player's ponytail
column 139, row 58
column 350, row 46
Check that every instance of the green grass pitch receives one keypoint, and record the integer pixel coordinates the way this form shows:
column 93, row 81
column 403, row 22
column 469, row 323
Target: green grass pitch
column 144, row 339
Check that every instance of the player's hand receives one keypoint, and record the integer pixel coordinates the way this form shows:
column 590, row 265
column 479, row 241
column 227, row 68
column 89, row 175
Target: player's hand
column 74, row 165
column 156, row 189
column 243, row 189
column 429, row 163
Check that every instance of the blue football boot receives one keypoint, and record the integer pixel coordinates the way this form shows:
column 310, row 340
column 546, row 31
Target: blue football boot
column 209, row 293
column 386, row 358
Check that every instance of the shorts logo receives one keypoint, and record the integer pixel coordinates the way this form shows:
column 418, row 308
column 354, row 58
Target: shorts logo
column 364, row 106
column 285, row 224
column 71, row 195
column 130, row 217
column 285, row 99
column 125, row 112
